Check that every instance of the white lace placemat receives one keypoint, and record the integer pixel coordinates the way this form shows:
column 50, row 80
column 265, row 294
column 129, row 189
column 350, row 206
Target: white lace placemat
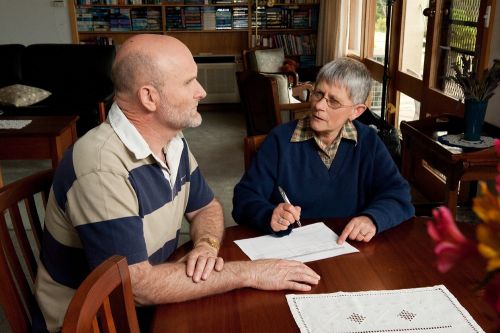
column 430, row 309
column 458, row 140
column 14, row 124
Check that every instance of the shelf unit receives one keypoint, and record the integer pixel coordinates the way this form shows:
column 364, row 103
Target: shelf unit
column 284, row 18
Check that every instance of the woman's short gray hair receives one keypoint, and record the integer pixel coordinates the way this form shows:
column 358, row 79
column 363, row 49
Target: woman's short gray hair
column 350, row 74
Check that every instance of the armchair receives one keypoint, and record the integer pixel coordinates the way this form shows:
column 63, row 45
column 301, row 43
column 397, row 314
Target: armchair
column 271, row 62
column 268, row 61
column 261, row 103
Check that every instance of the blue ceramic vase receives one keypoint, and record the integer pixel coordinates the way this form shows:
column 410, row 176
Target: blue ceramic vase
column 474, row 119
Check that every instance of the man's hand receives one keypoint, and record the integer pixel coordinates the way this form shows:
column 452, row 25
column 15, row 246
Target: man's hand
column 201, row 260
column 360, row 228
column 283, row 215
column 277, row 274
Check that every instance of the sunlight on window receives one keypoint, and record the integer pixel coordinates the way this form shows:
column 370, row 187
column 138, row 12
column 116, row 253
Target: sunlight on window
column 409, row 108
column 414, row 33
column 376, row 95
column 355, row 27
column 379, row 31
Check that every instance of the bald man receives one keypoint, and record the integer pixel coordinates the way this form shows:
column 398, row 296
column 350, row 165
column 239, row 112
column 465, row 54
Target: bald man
column 125, row 186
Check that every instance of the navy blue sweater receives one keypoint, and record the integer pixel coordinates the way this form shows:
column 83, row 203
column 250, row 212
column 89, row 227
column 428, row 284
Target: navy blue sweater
column 362, row 180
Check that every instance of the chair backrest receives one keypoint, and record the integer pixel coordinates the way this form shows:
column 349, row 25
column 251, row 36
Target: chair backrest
column 270, row 61
column 251, row 145
column 260, row 98
column 267, row 60
column 22, row 209
column 250, row 61
column 258, row 101
column 104, row 301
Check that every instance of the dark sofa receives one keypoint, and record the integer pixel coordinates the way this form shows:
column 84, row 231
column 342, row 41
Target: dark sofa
column 78, row 77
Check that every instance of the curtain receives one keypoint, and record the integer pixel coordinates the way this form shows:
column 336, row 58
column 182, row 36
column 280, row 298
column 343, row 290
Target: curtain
column 332, row 30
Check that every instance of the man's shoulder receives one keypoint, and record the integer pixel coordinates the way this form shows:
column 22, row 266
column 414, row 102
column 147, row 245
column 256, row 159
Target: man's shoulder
column 99, row 149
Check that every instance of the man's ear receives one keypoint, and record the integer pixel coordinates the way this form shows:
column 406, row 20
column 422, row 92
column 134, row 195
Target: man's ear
column 357, row 111
column 149, row 97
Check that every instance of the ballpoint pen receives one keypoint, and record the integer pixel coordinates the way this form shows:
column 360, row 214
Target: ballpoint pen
column 285, row 198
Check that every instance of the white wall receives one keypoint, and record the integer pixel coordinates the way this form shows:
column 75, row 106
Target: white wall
column 493, row 111
column 33, row 21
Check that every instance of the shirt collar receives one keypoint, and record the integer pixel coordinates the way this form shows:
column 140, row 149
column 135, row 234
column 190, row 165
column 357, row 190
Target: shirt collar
column 127, row 133
column 303, row 131
column 134, row 141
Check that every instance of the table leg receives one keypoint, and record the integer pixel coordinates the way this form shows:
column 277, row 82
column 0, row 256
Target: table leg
column 451, row 200
column 1, row 176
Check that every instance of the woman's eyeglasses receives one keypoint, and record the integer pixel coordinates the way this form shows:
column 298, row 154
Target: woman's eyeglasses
column 332, row 103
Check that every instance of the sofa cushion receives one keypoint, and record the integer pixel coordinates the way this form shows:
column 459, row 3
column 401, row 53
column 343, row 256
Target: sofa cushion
column 10, row 64
column 74, row 73
column 21, row 95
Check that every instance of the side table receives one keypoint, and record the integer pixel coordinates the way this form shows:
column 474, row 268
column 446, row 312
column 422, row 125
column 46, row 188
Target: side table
column 420, row 143
column 44, row 138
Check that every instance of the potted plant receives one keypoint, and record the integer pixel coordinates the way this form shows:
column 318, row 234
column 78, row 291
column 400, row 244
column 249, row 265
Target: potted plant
column 477, row 91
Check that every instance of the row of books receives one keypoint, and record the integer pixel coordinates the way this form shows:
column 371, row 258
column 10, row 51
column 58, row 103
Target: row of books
column 118, row 19
column 206, row 18
column 118, row 2
column 184, row 2
column 195, row 18
column 98, row 40
column 280, row 2
column 157, row 2
column 291, row 44
column 287, row 18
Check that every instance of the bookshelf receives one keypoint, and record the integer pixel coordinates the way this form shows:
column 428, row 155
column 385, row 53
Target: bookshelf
column 207, row 27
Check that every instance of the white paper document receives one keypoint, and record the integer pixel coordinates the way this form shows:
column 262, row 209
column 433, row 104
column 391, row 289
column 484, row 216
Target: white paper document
column 308, row 243
column 430, row 309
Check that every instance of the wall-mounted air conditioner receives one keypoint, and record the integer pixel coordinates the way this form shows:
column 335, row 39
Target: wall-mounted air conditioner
column 217, row 76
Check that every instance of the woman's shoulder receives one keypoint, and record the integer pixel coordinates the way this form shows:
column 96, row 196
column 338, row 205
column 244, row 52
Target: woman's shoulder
column 285, row 130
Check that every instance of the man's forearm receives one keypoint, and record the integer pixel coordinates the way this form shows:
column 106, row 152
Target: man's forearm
column 168, row 283
column 207, row 222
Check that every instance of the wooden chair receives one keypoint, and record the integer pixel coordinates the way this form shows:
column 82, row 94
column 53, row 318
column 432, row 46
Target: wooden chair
column 20, row 246
column 260, row 100
column 104, row 301
column 251, row 145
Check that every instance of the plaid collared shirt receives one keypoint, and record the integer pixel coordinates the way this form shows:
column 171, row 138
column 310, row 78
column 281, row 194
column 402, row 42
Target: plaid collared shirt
column 304, row 132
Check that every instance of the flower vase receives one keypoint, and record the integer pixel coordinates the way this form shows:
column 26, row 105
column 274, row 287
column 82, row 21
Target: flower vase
column 474, row 119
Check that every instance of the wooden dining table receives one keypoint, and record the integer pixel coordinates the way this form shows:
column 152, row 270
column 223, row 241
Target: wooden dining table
column 399, row 258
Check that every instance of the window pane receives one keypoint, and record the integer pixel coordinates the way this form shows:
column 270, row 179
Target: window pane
column 415, row 28
column 355, row 27
column 458, row 37
column 376, row 94
column 409, row 108
column 379, row 31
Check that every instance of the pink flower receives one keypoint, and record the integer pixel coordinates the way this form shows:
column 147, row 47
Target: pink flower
column 497, row 146
column 451, row 244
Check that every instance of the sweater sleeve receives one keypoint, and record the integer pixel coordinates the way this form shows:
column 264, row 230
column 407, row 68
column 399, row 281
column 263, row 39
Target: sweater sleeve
column 252, row 195
column 389, row 199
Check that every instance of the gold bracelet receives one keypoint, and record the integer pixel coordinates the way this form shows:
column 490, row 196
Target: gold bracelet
column 210, row 241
